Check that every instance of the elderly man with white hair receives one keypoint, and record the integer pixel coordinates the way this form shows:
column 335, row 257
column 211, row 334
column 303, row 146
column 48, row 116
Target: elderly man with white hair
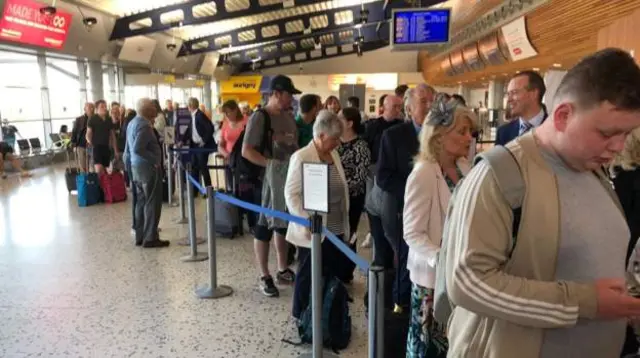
column 144, row 157
column 398, row 147
column 327, row 130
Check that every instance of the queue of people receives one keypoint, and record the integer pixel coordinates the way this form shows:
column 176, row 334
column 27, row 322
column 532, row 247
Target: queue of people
column 552, row 284
column 560, row 291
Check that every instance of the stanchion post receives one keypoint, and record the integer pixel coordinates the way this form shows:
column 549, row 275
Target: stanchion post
column 316, row 289
column 213, row 291
column 170, row 177
column 376, row 315
column 181, row 179
column 194, row 256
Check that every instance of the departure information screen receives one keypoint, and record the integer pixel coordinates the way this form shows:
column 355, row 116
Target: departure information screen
column 421, row 27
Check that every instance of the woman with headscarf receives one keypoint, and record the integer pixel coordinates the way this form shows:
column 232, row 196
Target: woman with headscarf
column 439, row 166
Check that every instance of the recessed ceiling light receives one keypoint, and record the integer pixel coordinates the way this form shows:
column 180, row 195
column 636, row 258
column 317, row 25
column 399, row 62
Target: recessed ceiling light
column 557, row 65
column 536, row 69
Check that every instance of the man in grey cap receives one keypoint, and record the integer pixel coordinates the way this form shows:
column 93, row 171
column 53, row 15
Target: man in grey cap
column 271, row 138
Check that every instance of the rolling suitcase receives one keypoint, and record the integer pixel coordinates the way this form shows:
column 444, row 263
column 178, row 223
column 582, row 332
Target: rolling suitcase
column 113, row 187
column 228, row 221
column 88, row 187
column 70, row 174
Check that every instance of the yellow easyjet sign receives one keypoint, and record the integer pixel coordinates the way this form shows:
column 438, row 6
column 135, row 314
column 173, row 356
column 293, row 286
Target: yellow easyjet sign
column 241, row 84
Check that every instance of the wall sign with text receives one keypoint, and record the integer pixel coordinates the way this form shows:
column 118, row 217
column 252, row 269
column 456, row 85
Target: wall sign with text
column 22, row 22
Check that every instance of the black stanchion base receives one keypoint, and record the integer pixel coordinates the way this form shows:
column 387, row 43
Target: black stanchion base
column 186, row 242
column 200, row 256
column 218, row 292
column 325, row 354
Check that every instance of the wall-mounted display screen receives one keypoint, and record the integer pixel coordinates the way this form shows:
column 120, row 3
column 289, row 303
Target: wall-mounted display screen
column 23, row 22
column 416, row 28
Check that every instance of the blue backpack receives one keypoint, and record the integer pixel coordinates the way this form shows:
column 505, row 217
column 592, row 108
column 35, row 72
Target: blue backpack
column 336, row 321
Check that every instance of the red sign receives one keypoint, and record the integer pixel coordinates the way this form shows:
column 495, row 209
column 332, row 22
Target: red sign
column 22, row 22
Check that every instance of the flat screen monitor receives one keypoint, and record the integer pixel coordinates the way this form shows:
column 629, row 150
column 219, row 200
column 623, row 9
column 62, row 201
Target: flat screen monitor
column 418, row 28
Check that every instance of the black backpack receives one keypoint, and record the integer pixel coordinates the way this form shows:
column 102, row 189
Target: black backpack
column 242, row 167
column 336, row 321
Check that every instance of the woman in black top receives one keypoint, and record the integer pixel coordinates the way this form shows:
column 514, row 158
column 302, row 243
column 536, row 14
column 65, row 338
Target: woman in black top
column 356, row 158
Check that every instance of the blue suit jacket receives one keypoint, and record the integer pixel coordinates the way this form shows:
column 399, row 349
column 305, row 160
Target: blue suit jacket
column 205, row 129
column 398, row 146
column 508, row 132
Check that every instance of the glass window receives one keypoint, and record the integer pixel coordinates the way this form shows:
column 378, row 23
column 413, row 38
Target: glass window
column 133, row 93
column 164, row 93
column 20, row 104
column 57, row 124
column 31, row 129
column 64, row 89
column 19, row 70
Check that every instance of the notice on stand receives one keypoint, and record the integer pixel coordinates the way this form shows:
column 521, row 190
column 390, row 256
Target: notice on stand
column 315, row 187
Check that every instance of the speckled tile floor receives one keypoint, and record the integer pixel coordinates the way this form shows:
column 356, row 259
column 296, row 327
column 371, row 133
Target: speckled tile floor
column 73, row 285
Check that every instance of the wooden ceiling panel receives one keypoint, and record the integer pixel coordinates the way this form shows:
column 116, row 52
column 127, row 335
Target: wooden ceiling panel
column 561, row 31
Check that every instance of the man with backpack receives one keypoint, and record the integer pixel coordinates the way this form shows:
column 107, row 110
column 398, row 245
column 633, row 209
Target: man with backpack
column 552, row 284
column 270, row 138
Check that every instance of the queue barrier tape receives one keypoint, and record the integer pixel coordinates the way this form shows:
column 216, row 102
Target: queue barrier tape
column 197, row 185
column 335, row 240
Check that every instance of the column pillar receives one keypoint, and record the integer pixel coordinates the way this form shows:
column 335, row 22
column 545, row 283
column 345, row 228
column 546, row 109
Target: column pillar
column 495, row 101
column 46, row 101
column 121, row 98
column 552, row 79
column 464, row 92
column 95, row 78
column 82, row 79
column 496, row 94
column 206, row 93
column 111, row 76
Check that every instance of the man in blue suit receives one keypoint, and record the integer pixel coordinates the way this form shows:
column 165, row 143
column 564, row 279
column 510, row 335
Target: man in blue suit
column 201, row 135
column 524, row 98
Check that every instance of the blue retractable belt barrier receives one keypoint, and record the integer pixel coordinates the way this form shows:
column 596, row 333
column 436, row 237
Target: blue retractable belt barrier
column 197, row 185
column 354, row 257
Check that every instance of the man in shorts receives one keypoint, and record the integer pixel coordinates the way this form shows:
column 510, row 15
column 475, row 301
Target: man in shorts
column 6, row 153
column 272, row 150
column 101, row 136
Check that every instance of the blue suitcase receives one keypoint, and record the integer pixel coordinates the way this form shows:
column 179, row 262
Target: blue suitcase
column 89, row 191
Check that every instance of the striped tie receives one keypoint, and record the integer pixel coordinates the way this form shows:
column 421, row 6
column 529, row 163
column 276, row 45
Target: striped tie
column 525, row 127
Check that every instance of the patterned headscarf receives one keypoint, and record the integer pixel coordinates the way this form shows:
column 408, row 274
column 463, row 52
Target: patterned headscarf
column 441, row 113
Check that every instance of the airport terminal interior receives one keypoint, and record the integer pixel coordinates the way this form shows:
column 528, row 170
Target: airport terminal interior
column 76, row 280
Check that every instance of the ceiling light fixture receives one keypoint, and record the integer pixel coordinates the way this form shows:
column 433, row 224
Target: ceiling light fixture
column 556, row 65
column 49, row 10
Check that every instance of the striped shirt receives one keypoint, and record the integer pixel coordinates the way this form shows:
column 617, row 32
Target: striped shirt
column 336, row 216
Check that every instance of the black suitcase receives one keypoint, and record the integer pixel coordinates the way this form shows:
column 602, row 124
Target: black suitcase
column 228, row 217
column 70, row 174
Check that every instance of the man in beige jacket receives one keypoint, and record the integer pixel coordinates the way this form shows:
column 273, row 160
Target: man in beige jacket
column 557, row 289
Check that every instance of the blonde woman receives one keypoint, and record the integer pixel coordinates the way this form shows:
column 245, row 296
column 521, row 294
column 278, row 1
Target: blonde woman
column 626, row 179
column 439, row 166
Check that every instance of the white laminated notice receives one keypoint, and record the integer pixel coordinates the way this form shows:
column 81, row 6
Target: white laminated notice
column 315, row 187
column 169, row 135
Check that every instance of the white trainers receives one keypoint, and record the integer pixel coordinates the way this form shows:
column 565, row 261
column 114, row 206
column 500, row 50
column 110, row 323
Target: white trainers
column 367, row 242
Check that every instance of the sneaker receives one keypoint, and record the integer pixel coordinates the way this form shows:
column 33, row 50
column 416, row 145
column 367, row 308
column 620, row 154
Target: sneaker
column 286, row 277
column 133, row 232
column 268, row 288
